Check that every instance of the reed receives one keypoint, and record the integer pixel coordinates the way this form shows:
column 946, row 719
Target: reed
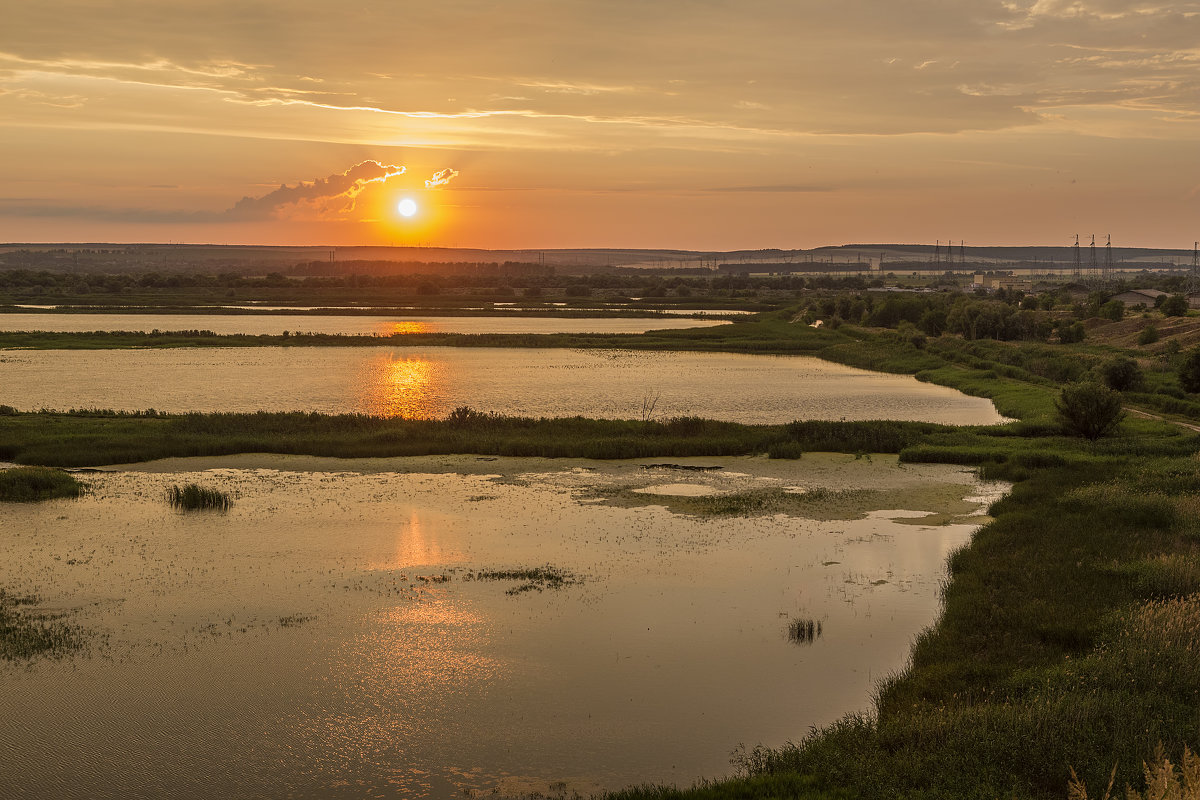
column 31, row 484
column 193, row 497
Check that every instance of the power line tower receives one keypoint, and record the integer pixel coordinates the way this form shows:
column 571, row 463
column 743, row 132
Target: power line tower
column 1092, row 268
column 1075, row 273
column 1194, row 275
column 937, row 253
column 1108, row 264
column 962, row 253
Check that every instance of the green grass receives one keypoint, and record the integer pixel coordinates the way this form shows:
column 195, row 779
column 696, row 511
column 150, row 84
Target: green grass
column 30, row 484
column 193, row 497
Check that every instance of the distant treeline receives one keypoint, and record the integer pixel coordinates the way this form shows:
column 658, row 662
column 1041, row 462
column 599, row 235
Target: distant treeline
column 380, row 267
column 420, row 278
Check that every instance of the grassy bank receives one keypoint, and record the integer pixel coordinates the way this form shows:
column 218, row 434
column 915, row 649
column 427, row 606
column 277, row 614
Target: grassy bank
column 90, row 438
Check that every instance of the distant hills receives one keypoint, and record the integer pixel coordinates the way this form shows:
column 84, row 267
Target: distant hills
column 99, row 257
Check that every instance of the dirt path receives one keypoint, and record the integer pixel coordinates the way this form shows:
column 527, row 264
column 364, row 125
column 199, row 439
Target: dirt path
column 1147, row 415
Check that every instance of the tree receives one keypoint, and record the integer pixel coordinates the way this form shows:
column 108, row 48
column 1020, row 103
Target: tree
column 1189, row 371
column 1089, row 410
column 1175, row 306
column 1114, row 310
column 1121, row 373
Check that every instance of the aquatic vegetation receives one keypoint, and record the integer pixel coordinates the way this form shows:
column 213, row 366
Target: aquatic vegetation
column 804, row 631
column 530, row 579
column 30, row 484
column 26, row 633
column 193, row 497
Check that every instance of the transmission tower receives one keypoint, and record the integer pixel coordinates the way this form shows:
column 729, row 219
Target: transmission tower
column 1092, row 268
column 937, row 253
column 1075, row 273
column 1108, row 264
column 1194, row 275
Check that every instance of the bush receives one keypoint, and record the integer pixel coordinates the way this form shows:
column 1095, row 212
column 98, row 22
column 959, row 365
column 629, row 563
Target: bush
column 1175, row 306
column 1071, row 332
column 1148, row 335
column 1121, row 373
column 1089, row 410
column 1114, row 310
column 1189, row 371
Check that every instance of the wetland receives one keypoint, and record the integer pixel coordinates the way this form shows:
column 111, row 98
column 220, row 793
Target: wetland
column 430, row 626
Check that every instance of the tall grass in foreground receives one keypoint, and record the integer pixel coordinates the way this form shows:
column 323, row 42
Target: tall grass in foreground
column 30, row 484
column 1163, row 782
column 193, row 497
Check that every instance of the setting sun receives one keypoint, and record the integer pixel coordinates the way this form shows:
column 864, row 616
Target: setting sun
column 407, row 207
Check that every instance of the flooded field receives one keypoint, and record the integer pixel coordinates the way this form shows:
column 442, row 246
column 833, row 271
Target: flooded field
column 424, row 627
column 430, row 382
column 274, row 325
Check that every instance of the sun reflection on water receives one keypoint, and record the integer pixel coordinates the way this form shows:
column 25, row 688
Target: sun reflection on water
column 406, row 327
column 403, row 387
column 419, row 545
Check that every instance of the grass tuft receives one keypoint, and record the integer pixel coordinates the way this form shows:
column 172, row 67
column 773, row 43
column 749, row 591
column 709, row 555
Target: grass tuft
column 30, row 484
column 193, row 497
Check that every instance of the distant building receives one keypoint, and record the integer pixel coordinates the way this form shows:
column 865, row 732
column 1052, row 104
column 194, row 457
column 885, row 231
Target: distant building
column 1146, row 297
column 994, row 281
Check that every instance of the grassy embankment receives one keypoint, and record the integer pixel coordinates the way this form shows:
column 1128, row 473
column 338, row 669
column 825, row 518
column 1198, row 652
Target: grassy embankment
column 1071, row 631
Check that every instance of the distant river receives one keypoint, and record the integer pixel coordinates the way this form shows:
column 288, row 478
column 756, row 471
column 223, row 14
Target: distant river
column 274, row 325
column 428, row 382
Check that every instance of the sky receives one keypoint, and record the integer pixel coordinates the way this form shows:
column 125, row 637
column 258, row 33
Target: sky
column 697, row 124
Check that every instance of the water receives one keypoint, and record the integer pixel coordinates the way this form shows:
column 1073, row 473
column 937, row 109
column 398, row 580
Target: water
column 430, row 382
column 276, row 324
column 291, row 648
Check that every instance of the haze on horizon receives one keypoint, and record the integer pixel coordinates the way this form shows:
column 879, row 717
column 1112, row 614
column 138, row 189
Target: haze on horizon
column 703, row 125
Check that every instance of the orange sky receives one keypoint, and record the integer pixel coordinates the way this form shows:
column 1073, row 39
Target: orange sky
column 705, row 124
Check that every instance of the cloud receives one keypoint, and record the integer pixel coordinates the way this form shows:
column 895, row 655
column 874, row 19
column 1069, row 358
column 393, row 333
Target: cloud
column 336, row 194
column 441, row 178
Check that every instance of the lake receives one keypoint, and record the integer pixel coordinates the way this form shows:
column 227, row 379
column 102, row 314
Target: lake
column 429, row 382
column 276, row 324
column 336, row 634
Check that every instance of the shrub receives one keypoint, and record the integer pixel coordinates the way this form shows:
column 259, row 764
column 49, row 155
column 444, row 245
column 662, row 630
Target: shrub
column 1175, row 306
column 1189, row 371
column 1071, row 332
column 1148, row 335
column 1089, row 410
column 1114, row 310
column 1121, row 373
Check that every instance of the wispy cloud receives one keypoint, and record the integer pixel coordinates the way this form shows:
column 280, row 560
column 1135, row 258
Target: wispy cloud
column 441, row 178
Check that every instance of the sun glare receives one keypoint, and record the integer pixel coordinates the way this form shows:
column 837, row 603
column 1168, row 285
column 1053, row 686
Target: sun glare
column 407, row 207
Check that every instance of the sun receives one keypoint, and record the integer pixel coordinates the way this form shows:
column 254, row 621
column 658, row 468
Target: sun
column 407, row 207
